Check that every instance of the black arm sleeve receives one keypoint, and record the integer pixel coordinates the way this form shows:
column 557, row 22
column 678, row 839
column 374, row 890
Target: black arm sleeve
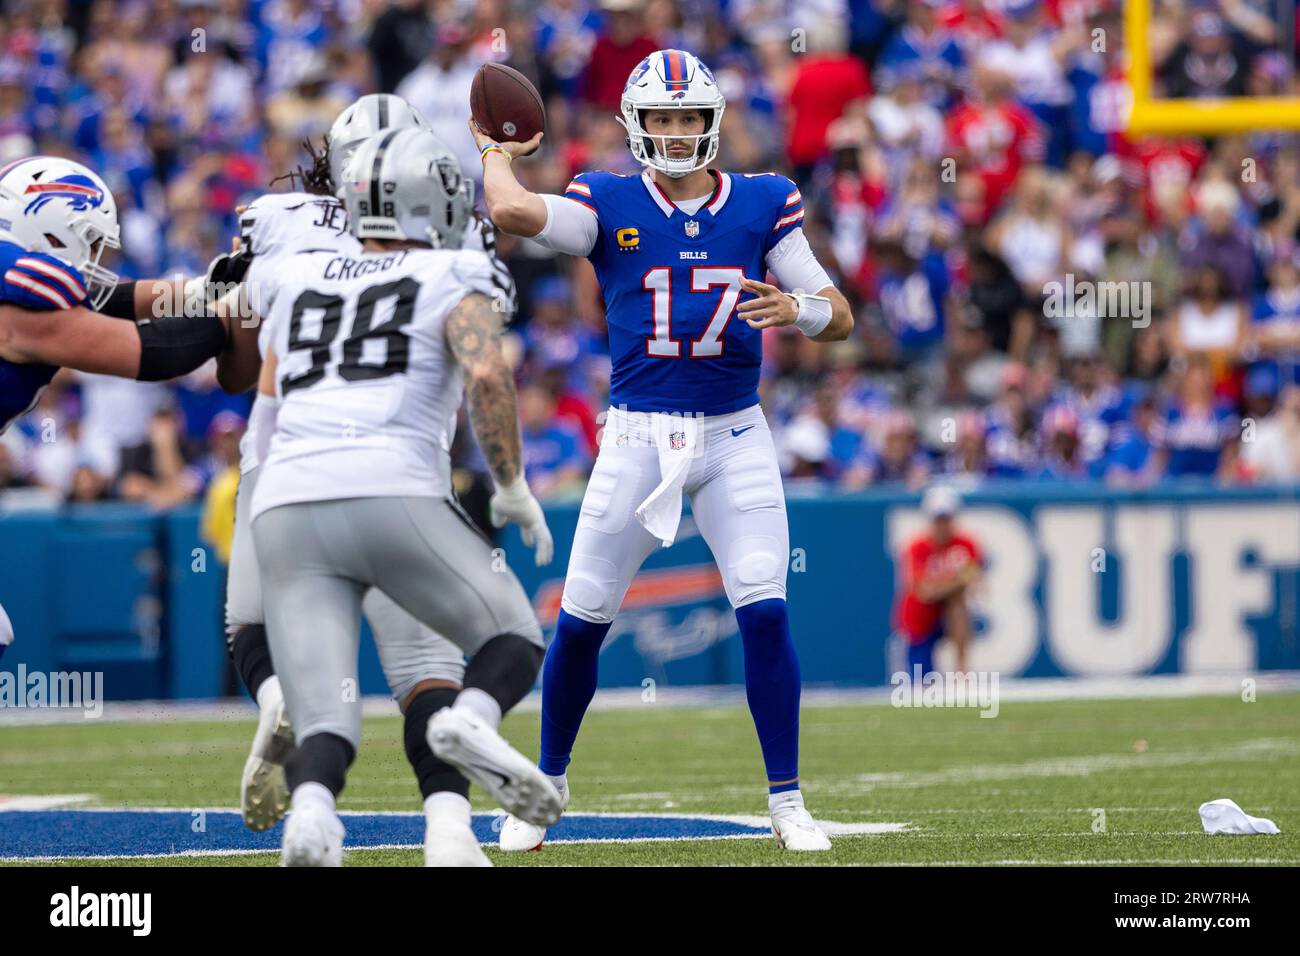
column 121, row 302
column 177, row 346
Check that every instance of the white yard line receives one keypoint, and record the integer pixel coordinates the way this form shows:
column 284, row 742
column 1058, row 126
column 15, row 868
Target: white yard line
column 1009, row 689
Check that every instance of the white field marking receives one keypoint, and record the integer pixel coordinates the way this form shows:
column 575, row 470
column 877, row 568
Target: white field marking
column 1010, row 689
column 1251, row 861
column 1080, row 766
column 831, row 828
column 46, row 802
column 1049, row 835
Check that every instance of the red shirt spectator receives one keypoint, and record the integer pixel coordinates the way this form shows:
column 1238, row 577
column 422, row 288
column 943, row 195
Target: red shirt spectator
column 617, row 51
column 823, row 89
column 994, row 139
column 925, row 559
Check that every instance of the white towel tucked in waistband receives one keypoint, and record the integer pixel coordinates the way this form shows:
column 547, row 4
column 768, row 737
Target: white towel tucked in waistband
column 677, row 440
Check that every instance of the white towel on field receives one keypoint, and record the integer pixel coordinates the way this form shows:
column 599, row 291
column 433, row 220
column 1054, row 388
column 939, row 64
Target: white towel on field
column 1225, row 817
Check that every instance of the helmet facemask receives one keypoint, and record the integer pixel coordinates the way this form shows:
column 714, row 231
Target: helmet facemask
column 100, row 280
column 650, row 149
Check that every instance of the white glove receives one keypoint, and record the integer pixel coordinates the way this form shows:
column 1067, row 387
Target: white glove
column 515, row 502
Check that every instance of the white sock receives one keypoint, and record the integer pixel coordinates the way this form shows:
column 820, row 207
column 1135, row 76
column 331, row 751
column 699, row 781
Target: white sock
column 785, row 798
column 447, row 806
column 561, row 784
column 270, row 693
column 312, row 793
column 481, row 704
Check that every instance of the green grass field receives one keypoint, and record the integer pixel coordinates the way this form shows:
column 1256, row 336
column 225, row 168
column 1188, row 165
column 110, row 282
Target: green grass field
column 1021, row 788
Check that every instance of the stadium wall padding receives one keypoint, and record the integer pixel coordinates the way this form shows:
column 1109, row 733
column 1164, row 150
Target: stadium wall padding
column 1081, row 581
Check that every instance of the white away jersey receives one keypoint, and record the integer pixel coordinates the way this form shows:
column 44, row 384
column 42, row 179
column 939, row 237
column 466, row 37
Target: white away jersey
column 368, row 388
column 279, row 225
column 275, row 227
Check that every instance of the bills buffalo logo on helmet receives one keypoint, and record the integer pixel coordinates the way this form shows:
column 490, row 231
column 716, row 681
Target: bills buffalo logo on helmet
column 79, row 191
column 637, row 73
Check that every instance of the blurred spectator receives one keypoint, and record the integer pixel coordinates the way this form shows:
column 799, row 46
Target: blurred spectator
column 991, row 136
column 899, row 457
column 554, row 457
column 620, row 46
column 1063, row 458
column 1211, row 63
column 1209, row 322
column 1032, row 53
column 1197, row 435
column 155, row 472
column 827, row 83
column 439, row 89
column 398, row 41
column 217, row 524
column 925, row 44
column 1129, row 460
column 1215, row 239
column 1275, row 328
column 1273, row 454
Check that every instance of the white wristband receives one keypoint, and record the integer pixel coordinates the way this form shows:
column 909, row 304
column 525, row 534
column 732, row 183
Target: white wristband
column 516, row 491
column 814, row 313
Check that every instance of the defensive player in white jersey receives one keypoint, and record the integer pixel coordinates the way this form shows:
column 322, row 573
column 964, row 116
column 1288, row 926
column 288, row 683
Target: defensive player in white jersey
column 273, row 228
column 675, row 249
column 369, row 357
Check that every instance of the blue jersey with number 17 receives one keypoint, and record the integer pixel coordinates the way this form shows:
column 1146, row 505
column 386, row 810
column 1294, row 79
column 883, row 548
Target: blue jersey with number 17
column 671, row 282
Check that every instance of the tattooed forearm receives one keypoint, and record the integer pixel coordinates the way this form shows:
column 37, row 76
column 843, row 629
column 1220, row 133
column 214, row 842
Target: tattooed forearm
column 493, row 414
column 473, row 334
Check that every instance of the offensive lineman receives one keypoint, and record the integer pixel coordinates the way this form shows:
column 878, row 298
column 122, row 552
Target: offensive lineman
column 368, row 359
column 57, row 219
column 674, row 250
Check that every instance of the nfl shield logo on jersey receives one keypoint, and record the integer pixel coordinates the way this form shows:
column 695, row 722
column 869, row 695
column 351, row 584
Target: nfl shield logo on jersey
column 677, row 441
column 692, row 228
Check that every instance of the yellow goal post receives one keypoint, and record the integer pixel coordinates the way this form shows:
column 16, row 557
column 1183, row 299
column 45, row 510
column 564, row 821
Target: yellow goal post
column 1151, row 116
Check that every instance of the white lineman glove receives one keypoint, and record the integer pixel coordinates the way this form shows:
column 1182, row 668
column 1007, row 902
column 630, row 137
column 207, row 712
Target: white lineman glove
column 514, row 502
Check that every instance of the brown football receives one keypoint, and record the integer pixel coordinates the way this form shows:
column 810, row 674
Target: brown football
column 505, row 105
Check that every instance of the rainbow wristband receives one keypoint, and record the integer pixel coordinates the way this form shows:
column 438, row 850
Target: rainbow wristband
column 492, row 148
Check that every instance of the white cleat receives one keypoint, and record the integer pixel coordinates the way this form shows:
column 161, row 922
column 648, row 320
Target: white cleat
column 448, row 843
column 520, row 836
column 483, row 755
column 263, row 794
column 313, row 836
column 794, row 829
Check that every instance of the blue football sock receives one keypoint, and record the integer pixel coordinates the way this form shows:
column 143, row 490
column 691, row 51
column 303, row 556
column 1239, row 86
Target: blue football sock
column 568, row 684
column 772, row 688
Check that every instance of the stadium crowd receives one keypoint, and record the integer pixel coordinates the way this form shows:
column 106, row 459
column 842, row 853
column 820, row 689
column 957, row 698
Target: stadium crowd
column 964, row 165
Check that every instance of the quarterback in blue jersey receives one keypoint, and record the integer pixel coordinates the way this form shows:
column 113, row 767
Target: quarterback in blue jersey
column 57, row 219
column 681, row 252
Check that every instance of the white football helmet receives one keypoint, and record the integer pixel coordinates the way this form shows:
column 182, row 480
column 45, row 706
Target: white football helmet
column 670, row 80
column 369, row 115
column 406, row 184
column 61, row 208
